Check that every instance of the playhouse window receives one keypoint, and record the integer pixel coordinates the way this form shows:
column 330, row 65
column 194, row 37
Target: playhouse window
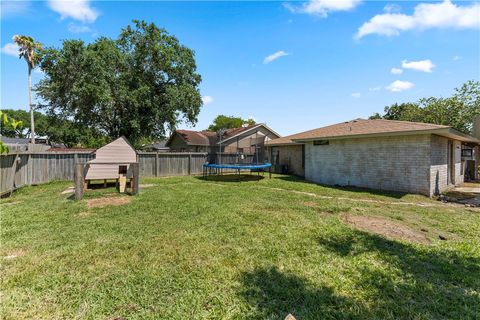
column 122, row 169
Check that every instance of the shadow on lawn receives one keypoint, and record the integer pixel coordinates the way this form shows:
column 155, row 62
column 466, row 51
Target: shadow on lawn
column 391, row 194
column 275, row 294
column 433, row 284
column 401, row 282
column 232, row 178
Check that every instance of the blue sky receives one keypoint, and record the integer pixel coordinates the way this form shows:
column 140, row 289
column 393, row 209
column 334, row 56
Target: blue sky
column 292, row 65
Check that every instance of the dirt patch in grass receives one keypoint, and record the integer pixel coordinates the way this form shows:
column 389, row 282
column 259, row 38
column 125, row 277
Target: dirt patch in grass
column 310, row 204
column 458, row 195
column 69, row 190
column 84, row 213
column 109, row 201
column 146, row 185
column 15, row 254
column 6, row 204
column 386, row 227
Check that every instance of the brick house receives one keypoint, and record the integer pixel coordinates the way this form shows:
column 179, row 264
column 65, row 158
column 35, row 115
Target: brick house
column 380, row 154
column 244, row 140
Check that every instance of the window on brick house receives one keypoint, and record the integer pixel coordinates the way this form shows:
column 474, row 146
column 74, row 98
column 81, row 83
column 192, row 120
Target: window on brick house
column 321, row 142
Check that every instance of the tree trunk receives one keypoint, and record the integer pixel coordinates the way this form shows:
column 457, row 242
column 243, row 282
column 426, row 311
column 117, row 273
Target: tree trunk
column 32, row 123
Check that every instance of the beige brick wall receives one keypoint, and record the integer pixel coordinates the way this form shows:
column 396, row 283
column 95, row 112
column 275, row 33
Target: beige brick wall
column 400, row 163
column 459, row 175
column 439, row 165
column 292, row 156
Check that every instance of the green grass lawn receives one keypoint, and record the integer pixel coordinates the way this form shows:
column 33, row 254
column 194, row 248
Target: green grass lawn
column 187, row 248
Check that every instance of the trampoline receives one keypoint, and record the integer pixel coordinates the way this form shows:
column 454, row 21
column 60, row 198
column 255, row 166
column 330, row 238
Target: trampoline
column 257, row 167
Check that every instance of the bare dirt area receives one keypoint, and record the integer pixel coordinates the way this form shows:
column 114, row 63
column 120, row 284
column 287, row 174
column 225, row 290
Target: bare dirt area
column 69, row 190
column 84, row 214
column 386, row 228
column 110, row 201
column 15, row 254
column 7, row 204
column 310, row 204
column 146, row 185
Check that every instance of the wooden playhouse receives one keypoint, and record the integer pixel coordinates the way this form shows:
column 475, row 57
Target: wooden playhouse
column 113, row 161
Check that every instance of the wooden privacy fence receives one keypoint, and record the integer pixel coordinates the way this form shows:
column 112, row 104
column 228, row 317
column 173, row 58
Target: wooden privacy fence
column 21, row 169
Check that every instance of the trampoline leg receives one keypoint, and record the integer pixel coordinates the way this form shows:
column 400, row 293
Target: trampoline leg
column 270, row 172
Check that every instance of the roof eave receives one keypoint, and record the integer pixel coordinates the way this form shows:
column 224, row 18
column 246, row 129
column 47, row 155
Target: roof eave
column 248, row 130
column 447, row 132
column 291, row 143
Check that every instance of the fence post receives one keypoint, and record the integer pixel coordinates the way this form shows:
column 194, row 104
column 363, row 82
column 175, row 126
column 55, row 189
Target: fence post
column 156, row 164
column 46, row 172
column 136, row 178
column 79, row 180
column 14, row 172
column 189, row 163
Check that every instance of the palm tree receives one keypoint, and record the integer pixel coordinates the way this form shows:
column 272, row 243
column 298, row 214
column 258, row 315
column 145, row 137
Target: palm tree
column 29, row 49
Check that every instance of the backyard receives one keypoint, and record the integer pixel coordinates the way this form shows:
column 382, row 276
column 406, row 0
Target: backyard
column 189, row 248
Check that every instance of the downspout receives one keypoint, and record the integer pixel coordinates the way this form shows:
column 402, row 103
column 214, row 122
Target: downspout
column 476, row 134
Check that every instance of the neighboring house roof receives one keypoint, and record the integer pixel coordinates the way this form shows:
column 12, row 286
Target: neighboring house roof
column 208, row 138
column 61, row 149
column 233, row 133
column 376, row 127
column 8, row 140
column 193, row 138
column 158, row 145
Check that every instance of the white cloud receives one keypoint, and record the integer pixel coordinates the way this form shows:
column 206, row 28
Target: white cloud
column 11, row 8
column 75, row 9
column 456, row 58
column 375, row 89
column 323, row 7
column 274, row 56
column 78, row 29
column 10, row 49
column 422, row 65
column 426, row 15
column 398, row 85
column 356, row 95
column 392, row 8
column 396, row 71
column 207, row 100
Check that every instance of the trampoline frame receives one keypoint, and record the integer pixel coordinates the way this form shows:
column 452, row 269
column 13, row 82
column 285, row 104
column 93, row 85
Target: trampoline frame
column 238, row 167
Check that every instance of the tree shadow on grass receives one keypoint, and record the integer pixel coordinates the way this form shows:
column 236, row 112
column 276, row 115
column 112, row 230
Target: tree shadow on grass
column 419, row 282
column 273, row 294
column 232, row 178
column 391, row 194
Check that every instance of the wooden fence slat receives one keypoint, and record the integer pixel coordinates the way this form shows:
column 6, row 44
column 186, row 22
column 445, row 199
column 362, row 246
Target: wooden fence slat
column 42, row 167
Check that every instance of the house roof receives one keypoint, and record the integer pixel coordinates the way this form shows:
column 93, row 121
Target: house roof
column 8, row 140
column 207, row 138
column 233, row 133
column 75, row 149
column 194, row 138
column 376, row 127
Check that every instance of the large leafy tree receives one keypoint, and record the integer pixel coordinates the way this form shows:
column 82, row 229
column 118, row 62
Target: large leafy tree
column 228, row 122
column 140, row 85
column 57, row 130
column 457, row 111
column 29, row 49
